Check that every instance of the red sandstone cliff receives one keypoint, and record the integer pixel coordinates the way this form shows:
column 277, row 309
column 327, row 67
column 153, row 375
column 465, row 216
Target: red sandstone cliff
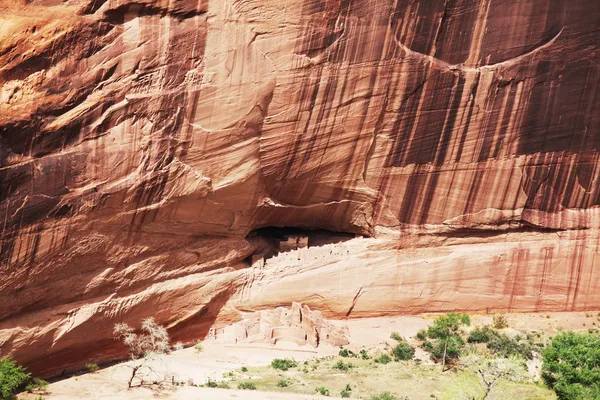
column 142, row 140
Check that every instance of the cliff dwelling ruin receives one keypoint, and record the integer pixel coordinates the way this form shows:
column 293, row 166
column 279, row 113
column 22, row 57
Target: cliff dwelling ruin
column 294, row 245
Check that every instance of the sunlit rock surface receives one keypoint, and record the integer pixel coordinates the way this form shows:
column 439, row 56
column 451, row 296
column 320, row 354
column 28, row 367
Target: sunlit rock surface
column 141, row 141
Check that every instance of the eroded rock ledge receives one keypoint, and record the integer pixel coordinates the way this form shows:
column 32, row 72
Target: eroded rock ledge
column 142, row 141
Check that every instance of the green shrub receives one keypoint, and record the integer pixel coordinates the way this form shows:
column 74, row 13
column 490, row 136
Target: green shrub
column 92, row 367
column 212, row 384
column 322, row 390
column 346, row 353
column 223, row 385
column 500, row 321
column 198, row 347
column 348, row 387
column 383, row 359
column 482, row 334
column 427, row 346
column 396, row 336
column 422, row 334
column 247, row 386
column 342, row 366
column 283, row 364
column 500, row 344
column 571, row 366
column 36, row 384
column 282, row 383
column 244, row 369
column 403, row 351
column 364, row 355
column 12, row 376
column 505, row 346
column 345, row 394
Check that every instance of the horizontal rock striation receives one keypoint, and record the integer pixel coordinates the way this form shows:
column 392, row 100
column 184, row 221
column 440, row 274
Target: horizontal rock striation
column 141, row 141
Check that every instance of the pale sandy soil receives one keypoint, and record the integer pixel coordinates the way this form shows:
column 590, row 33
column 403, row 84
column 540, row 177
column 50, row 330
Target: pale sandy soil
column 184, row 365
column 220, row 357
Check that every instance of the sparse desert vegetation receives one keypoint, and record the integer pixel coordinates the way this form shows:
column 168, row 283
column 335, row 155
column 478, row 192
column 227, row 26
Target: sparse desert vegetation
column 246, row 385
column 402, row 379
column 283, row 364
column 482, row 362
column 144, row 346
column 198, row 347
column 92, row 367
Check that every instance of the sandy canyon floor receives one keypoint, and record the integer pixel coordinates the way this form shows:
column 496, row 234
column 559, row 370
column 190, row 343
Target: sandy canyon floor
column 224, row 361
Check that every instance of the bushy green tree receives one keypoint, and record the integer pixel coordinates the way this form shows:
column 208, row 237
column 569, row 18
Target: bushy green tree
column 447, row 325
column 12, row 377
column 571, row 366
column 445, row 332
column 448, row 350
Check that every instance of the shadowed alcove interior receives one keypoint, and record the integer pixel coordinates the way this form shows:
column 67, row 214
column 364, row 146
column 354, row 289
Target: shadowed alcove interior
column 270, row 241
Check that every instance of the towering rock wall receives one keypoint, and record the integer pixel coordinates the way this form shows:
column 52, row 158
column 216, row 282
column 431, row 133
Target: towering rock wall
column 142, row 140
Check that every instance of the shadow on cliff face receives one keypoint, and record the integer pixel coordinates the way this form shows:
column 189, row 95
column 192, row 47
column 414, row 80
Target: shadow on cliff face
column 66, row 360
column 484, row 233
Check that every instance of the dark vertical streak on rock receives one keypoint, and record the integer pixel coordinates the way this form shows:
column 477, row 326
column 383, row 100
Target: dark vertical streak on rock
column 444, row 144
